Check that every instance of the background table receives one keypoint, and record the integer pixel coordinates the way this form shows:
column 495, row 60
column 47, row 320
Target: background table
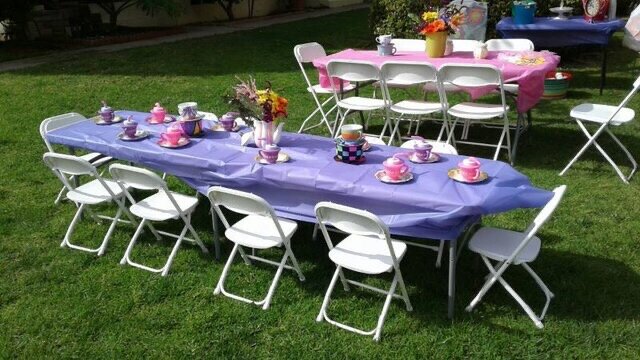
column 546, row 33
column 430, row 206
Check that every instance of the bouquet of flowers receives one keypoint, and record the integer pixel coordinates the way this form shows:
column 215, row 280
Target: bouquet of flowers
column 254, row 104
column 447, row 19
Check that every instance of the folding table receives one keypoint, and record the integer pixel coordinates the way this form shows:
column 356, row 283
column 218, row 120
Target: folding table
column 430, row 206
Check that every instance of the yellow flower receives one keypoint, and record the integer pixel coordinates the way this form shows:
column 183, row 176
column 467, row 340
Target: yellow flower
column 429, row 16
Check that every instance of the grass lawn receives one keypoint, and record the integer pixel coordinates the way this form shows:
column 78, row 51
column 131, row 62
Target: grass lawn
column 62, row 303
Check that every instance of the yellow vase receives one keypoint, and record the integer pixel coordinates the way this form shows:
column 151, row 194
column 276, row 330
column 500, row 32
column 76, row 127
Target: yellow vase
column 436, row 44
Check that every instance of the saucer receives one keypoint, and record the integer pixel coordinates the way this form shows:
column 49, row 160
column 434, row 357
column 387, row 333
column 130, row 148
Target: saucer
column 182, row 142
column 140, row 134
column 382, row 176
column 167, row 119
column 282, row 157
column 218, row 127
column 356, row 162
column 98, row 120
column 457, row 176
column 433, row 157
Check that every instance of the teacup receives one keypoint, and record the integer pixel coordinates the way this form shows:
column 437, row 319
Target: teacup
column 395, row 168
column 270, row 153
column 130, row 128
column 469, row 168
column 228, row 121
column 351, row 132
column 172, row 136
column 106, row 113
column 386, row 50
column 384, row 39
column 158, row 113
column 422, row 150
column 188, row 110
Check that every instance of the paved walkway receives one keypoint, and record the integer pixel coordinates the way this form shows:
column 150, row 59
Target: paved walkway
column 193, row 32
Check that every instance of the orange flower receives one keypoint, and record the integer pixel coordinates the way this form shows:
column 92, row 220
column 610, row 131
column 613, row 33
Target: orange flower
column 439, row 25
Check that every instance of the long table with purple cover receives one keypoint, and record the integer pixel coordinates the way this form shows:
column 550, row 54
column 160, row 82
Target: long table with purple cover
column 431, row 206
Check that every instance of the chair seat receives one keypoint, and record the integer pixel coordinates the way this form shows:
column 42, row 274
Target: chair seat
column 361, row 103
column 322, row 90
column 158, row 207
column 368, row 255
column 476, row 111
column 499, row 244
column 600, row 113
column 94, row 193
column 414, row 107
column 259, row 232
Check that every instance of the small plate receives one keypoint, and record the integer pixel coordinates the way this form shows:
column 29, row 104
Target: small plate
column 360, row 161
column 182, row 142
column 457, row 176
column 218, row 127
column 140, row 134
column 282, row 157
column 98, row 120
column 382, row 176
column 433, row 157
column 167, row 119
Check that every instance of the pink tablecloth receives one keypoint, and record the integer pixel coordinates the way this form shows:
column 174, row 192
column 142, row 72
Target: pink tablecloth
column 530, row 78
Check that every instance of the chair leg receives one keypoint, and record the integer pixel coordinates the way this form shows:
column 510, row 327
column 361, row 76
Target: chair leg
column 174, row 251
column 549, row 295
column 294, row 261
column 74, row 222
column 327, row 296
column 112, row 227
column 485, row 288
column 125, row 259
column 592, row 139
column 195, row 235
column 385, row 308
column 220, row 286
column 267, row 300
column 629, row 156
column 395, row 129
column 523, row 304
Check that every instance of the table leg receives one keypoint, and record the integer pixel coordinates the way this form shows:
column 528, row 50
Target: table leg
column 451, row 292
column 603, row 68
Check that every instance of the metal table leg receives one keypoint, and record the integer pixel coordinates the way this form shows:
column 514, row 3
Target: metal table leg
column 451, row 292
column 603, row 68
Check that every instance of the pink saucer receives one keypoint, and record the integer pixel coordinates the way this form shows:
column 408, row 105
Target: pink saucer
column 167, row 119
column 182, row 142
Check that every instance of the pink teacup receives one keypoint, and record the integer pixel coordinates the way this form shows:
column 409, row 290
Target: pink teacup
column 469, row 168
column 270, row 153
column 172, row 136
column 158, row 113
column 395, row 168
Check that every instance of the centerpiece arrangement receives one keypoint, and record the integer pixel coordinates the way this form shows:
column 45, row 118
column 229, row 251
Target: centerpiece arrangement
column 436, row 25
column 264, row 109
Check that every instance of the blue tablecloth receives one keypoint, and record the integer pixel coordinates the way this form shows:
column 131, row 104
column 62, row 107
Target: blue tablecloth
column 429, row 206
column 546, row 32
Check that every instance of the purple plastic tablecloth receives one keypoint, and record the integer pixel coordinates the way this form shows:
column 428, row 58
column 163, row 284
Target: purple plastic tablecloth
column 546, row 32
column 429, row 206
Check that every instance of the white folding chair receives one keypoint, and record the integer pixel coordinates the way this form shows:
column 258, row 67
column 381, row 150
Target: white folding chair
column 508, row 247
column 412, row 74
column 509, row 45
column 605, row 115
column 161, row 206
column 260, row 229
column 475, row 76
column 368, row 249
column 56, row 122
column 357, row 71
column 95, row 192
column 372, row 140
column 307, row 53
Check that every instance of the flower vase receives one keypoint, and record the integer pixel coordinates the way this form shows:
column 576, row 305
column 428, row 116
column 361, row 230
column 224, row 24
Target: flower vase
column 266, row 133
column 436, row 44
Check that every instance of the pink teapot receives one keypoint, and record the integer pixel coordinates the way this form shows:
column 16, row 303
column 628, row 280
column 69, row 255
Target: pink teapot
column 469, row 168
column 395, row 168
column 158, row 113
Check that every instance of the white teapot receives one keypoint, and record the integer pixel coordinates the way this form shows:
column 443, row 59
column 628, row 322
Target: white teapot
column 481, row 51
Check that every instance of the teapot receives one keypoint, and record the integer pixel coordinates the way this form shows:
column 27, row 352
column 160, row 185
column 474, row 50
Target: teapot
column 158, row 113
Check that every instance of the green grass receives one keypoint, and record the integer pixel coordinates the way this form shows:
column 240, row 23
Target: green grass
column 61, row 303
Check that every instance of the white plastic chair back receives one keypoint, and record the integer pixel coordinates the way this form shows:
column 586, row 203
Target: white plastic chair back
column 438, row 147
column 509, row 45
column 625, row 101
column 540, row 219
column 372, row 140
column 408, row 73
column 462, row 45
column 57, row 122
column 351, row 220
column 356, row 71
column 306, row 53
column 239, row 201
column 137, row 178
column 409, row 44
column 477, row 75
column 68, row 164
